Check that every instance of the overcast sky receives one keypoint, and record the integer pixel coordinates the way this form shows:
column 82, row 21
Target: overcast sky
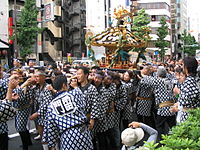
column 193, row 6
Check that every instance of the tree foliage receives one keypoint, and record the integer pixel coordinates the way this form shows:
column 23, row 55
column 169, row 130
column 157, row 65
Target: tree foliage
column 188, row 41
column 185, row 136
column 27, row 28
column 142, row 30
column 162, row 33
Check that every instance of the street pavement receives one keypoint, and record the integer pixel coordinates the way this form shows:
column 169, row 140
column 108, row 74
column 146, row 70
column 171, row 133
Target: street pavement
column 15, row 140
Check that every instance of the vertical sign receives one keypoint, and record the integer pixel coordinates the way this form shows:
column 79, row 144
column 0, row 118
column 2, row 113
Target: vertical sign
column 49, row 12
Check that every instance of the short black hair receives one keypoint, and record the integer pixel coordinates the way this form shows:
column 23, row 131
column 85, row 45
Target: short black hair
column 100, row 72
column 85, row 69
column 59, row 81
column 191, row 64
column 179, row 69
column 131, row 74
column 116, row 76
column 95, row 67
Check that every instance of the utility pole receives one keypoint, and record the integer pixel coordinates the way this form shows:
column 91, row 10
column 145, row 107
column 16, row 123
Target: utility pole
column 183, row 49
column 15, row 42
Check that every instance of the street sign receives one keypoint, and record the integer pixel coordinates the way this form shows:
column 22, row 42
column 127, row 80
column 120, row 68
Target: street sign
column 156, row 53
column 197, row 54
column 193, row 45
column 49, row 11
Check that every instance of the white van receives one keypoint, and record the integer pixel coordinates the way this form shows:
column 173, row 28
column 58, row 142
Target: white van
column 81, row 62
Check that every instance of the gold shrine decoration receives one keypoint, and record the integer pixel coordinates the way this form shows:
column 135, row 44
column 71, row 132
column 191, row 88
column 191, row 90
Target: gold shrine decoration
column 120, row 13
column 117, row 40
column 111, row 38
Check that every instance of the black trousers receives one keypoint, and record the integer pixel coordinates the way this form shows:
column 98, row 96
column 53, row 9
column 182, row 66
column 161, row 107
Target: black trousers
column 26, row 139
column 164, row 124
column 4, row 141
column 102, row 142
column 148, row 120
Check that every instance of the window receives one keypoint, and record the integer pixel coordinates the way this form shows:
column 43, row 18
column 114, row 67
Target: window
column 158, row 18
column 153, row 18
column 160, row 5
column 105, row 21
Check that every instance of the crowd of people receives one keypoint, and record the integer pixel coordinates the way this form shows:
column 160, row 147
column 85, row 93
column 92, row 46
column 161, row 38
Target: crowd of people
column 86, row 108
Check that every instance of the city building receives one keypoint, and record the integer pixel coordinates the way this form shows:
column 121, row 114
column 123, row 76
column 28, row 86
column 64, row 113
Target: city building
column 99, row 16
column 156, row 10
column 9, row 14
column 174, row 34
column 75, row 27
column 182, row 22
column 49, row 42
column 194, row 19
column 4, row 45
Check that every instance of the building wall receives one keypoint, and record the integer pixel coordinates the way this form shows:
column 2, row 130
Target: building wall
column 156, row 10
column 181, row 15
column 4, row 22
column 194, row 18
column 50, row 42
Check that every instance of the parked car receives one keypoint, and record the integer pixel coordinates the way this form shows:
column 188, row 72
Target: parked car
column 83, row 62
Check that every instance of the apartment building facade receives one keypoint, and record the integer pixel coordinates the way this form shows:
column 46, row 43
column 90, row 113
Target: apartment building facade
column 156, row 10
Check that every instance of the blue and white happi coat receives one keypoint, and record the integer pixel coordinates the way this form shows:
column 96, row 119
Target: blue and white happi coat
column 101, row 123
column 121, row 99
column 111, row 116
column 42, row 99
column 128, row 113
column 189, row 96
column 145, row 91
column 23, row 107
column 163, row 91
column 7, row 112
column 66, row 119
column 3, row 91
column 92, row 103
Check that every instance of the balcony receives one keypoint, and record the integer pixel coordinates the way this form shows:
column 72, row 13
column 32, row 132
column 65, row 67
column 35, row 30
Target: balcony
column 75, row 0
column 55, row 30
column 74, row 29
column 57, row 10
column 58, row 45
column 73, row 13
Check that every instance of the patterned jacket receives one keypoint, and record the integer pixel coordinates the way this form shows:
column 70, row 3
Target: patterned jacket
column 101, row 124
column 163, row 92
column 121, row 99
column 92, row 103
column 3, row 91
column 42, row 98
column 111, row 114
column 66, row 120
column 145, row 90
column 128, row 109
column 189, row 96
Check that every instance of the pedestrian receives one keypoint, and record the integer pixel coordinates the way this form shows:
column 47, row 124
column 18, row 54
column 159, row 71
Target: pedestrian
column 100, row 127
column 133, row 137
column 164, row 99
column 144, row 98
column 66, row 119
column 42, row 98
column 23, row 106
column 7, row 112
column 189, row 94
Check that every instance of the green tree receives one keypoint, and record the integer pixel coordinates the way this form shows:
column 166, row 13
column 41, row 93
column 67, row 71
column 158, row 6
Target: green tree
column 142, row 30
column 185, row 136
column 27, row 28
column 189, row 44
column 162, row 32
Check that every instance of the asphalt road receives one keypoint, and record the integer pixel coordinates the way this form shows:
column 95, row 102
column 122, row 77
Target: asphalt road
column 15, row 140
